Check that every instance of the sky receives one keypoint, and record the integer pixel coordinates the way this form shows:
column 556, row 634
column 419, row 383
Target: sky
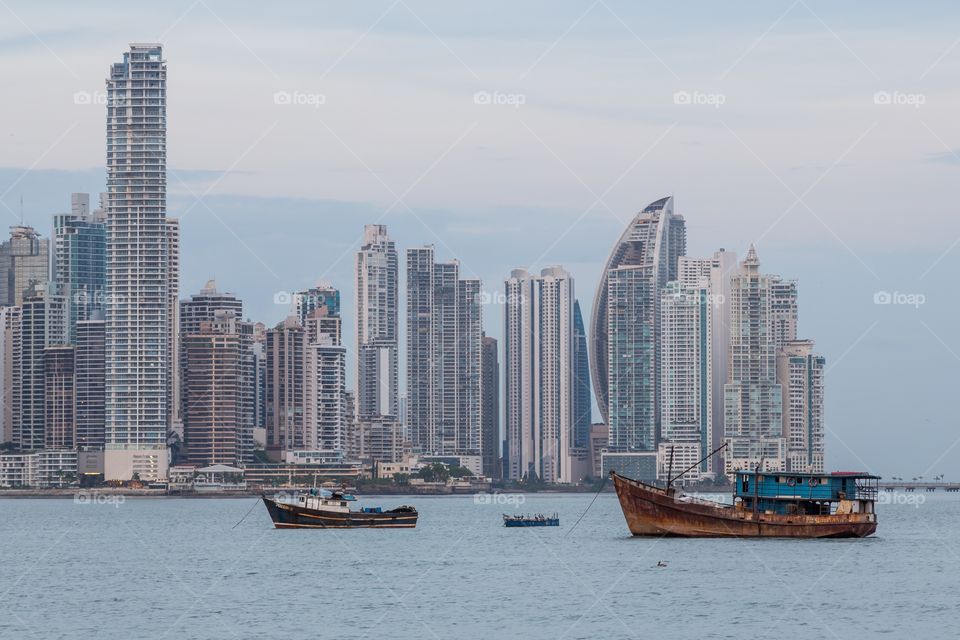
column 529, row 134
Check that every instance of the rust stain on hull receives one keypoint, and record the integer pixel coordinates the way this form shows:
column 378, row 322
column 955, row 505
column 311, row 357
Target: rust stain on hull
column 651, row 511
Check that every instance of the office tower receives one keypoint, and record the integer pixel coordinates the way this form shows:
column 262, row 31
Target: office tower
column 800, row 373
column 90, row 365
column 323, row 295
column 714, row 272
column 685, row 380
column 260, row 375
column 138, row 316
column 625, row 325
column 325, row 381
column 783, row 310
column 80, row 259
column 174, row 417
column 285, row 388
column 377, row 278
column 490, row 408
column 753, row 403
column 9, row 369
column 582, row 407
column 43, row 323
column 60, row 397
column 443, row 356
column 539, row 374
column 24, row 262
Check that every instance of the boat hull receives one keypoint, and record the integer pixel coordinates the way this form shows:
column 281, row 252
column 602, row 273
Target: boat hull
column 290, row 516
column 652, row 511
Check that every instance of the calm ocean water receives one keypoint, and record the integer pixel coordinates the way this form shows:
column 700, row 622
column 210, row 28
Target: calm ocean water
column 173, row 568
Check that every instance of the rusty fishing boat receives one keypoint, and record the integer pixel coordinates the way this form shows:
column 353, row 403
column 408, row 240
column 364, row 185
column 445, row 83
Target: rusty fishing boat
column 765, row 504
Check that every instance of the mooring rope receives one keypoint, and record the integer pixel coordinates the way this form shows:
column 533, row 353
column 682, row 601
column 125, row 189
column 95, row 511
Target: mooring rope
column 595, row 496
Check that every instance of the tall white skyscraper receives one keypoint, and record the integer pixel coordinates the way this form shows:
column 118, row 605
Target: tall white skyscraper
column 714, row 272
column 377, row 276
column 444, row 333
column 539, row 375
column 753, row 397
column 685, row 380
column 138, row 332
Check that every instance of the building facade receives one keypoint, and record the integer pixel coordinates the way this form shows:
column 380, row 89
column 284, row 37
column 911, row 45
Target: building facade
column 490, row 408
column 24, row 263
column 80, row 259
column 625, row 327
column 377, row 281
column 582, row 403
column 138, row 330
column 539, row 375
column 60, row 397
column 444, row 332
column 90, row 365
column 753, row 402
column 800, row 373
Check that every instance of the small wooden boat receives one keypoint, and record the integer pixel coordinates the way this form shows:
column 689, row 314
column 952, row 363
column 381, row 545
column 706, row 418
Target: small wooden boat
column 537, row 520
column 329, row 510
column 766, row 504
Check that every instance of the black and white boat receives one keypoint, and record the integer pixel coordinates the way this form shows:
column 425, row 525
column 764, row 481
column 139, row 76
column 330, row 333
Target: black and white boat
column 321, row 509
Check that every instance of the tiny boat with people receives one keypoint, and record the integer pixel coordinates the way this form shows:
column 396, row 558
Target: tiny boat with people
column 536, row 520
column 323, row 509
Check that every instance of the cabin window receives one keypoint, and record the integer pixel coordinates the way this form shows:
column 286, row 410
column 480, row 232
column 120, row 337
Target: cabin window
column 746, row 484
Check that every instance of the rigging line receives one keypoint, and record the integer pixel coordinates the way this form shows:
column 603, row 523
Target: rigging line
column 595, row 496
column 248, row 513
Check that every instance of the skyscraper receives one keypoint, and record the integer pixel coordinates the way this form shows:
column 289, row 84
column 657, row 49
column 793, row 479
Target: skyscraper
column 582, row 404
column 90, row 365
column 60, row 397
column 138, row 263
column 685, row 380
column 783, row 310
column 377, row 277
column 24, row 262
column 625, row 326
column 800, row 373
column 443, row 356
column 43, row 323
column 326, row 382
column 174, row 417
column 9, row 348
column 490, row 408
column 323, row 295
column 539, row 375
column 753, row 398
column 285, row 388
column 80, row 259
column 714, row 273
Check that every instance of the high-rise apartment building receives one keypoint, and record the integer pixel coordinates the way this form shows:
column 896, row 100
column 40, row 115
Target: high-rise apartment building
column 24, row 262
column 9, row 368
column 625, row 327
column 60, row 397
column 90, row 364
column 443, row 356
column 174, row 388
column 286, row 388
column 783, row 310
column 801, row 372
column 138, row 322
column 377, row 279
column 539, row 375
column 325, row 382
column 490, row 408
column 715, row 273
column 685, row 380
column 753, row 405
column 43, row 324
column 80, row 259
column 321, row 296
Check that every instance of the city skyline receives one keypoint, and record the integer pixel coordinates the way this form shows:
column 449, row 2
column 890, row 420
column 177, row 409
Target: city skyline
column 790, row 237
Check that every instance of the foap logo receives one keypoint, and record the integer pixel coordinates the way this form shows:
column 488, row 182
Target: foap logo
column 899, row 298
column 499, row 499
column 498, row 297
column 906, row 498
column 899, row 98
column 699, row 98
column 500, row 98
column 90, row 97
column 87, row 497
column 283, row 297
column 299, row 99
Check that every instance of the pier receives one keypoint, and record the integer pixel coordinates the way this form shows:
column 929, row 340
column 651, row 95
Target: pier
column 929, row 487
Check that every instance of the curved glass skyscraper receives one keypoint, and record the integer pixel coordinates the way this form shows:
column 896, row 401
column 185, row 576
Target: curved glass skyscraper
column 625, row 323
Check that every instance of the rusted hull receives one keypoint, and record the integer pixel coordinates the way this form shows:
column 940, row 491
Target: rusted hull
column 651, row 511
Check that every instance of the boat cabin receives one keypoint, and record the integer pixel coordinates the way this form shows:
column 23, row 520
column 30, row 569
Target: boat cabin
column 321, row 499
column 806, row 493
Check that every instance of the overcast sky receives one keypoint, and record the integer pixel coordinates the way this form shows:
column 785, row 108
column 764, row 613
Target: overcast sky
column 528, row 134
